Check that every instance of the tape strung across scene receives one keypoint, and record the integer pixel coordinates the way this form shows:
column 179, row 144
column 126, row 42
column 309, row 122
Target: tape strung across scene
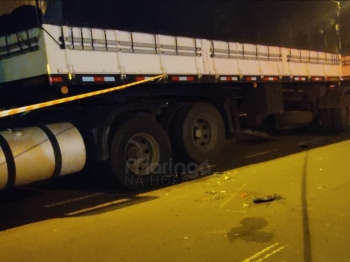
column 23, row 109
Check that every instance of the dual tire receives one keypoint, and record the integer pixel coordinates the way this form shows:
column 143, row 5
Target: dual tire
column 140, row 149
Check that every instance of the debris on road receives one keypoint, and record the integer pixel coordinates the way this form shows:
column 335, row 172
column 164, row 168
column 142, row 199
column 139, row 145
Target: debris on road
column 243, row 194
column 245, row 205
column 210, row 192
column 216, row 197
column 264, row 199
column 227, row 178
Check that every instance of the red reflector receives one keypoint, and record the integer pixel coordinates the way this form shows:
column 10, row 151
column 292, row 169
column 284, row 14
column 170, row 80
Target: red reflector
column 175, row 78
column 99, row 79
column 267, row 78
column 229, row 78
column 249, row 79
column 56, row 79
column 190, row 78
column 140, row 78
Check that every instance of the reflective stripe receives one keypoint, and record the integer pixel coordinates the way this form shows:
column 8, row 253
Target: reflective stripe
column 229, row 78
column 251, row 78
column 88, row 79
column 99, row 79
column 182, row 78
column 270, row 78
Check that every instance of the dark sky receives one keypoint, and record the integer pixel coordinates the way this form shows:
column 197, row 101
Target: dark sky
column 284, row 23
column 298, row 24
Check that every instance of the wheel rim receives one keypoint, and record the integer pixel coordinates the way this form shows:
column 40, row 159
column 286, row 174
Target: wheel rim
column 204, row 134
column 142, row 154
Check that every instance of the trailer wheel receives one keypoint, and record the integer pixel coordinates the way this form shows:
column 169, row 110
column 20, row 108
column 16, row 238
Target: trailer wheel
column 139, row 151
column 341, row 115
column 198, row 132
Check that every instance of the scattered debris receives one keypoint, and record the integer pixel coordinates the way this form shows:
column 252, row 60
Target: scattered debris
column 264, row 199
column 185, row 238
column 216, row 197
column 218, row 173
column 210, row 192
column 222, row 191
column 243, row 194
column 245, row 205
column 227, row 178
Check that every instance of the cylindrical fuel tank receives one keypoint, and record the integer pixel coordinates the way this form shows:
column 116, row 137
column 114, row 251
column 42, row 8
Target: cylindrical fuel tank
column 38, row 153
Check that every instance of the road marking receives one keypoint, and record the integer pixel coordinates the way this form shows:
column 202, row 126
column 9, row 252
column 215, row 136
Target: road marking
column 262, row 252
column 119, row 201
column 73, row 200
column 234, row 194
column 262, row 153
column 272, row 253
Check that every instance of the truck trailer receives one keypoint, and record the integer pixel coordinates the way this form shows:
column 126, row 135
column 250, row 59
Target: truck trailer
column 74, row 93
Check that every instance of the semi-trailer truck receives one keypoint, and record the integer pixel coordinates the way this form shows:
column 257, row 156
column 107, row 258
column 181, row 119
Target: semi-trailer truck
column 75, row 93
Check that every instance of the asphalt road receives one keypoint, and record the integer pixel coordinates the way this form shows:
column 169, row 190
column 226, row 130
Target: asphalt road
column 214, row 218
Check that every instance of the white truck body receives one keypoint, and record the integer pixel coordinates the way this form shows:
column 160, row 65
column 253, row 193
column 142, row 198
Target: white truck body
column 112, row 52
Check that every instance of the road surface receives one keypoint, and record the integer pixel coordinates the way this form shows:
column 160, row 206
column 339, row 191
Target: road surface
column 213, row 218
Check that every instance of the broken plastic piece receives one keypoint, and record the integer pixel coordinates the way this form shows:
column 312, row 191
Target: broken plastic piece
column 264, row 199
column 243, row 194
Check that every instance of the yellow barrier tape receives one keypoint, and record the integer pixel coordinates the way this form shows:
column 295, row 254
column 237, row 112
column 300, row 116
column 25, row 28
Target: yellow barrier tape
column 18, row 110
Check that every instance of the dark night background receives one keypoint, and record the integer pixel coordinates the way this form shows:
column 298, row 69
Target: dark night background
column 300, row 24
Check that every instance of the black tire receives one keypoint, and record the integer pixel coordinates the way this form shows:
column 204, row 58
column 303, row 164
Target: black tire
column 197, row 133
column 139, row 152
column 341, row 115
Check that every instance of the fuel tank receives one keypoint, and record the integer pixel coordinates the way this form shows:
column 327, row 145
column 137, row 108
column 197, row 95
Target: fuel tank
column 38, row 153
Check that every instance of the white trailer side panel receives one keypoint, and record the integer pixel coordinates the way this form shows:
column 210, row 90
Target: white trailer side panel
column 112, row 52
column 225, row 62
column 178, row 55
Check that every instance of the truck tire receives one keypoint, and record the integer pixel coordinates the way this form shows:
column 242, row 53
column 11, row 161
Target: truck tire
column 341, row 115
column 139, row 152
column 197, row 133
